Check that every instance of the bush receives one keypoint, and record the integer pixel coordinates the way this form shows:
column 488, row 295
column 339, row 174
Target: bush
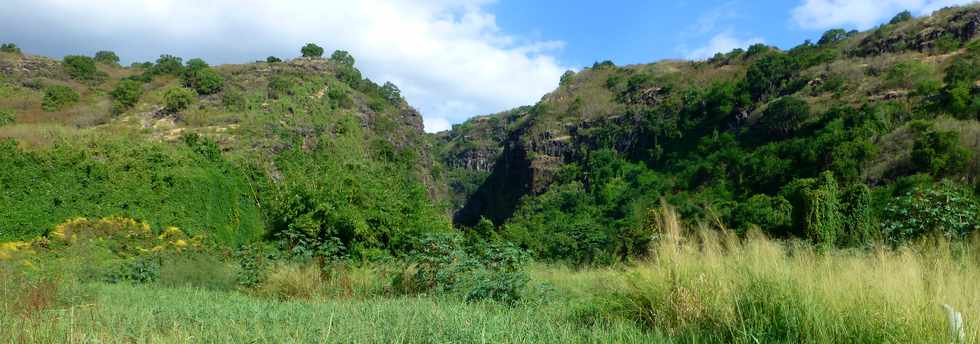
column 391, row 93
column 907, row 74
column 197, row 270
column 205, row 81
column 945, row 208
column 902, row 16
column 311, row 50
column 480, row 272
column 859, row 225
column 126, row 94
column 9, row 48
column 832, row 36
column 280, row 86
column 234, row 100
column 784, row 116
column 343, row 58
column 272, row 59
column 168, row 65
column 940, row 153
column 81, row 68
column 7, row 117
column 816, row 208
column 769, row 74
column 771, row 214
column 107, row 57
column 178, row 98
column 58, row 97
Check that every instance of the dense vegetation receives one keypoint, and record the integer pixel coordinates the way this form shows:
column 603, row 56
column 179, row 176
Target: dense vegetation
column 829, row 142
column 825, row 193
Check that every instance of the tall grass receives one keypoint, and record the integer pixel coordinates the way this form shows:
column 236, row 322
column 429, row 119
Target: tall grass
column 707, row 285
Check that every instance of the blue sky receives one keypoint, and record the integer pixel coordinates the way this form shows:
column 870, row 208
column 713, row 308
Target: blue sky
column 453, row 59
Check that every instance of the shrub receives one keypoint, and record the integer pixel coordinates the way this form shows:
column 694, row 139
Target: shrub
column 769, row 74
column 290, row 281
column 832, row 36
column 481, row 272
column 234, row 100
column 940, row 153
column 81, row 67
column 859, row 225
column 280, row 86
column 168, row 65
column 204, row 80
column 126, row 94
column 784, row 116
column 946, row 208
column 771, row 214
column 178, row 98
column 340, row 97
column 902, row 16
column 7, row 117
column 9, row 48
column 272, row 59
column 816, row 208
column 58, row 97
column 343, row 58
column 197, row 270
column 907, row 74
column 311, row 50
column 107, row 57
column 391, row 93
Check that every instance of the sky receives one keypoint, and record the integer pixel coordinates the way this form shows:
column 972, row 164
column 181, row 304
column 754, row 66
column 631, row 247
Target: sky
column 452, row 59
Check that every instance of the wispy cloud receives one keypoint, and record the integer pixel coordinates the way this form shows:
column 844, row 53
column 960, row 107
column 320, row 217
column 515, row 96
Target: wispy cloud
column 447, row 56
column 861, row 14
column 721, row 43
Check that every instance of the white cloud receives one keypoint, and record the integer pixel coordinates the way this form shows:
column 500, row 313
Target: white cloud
column 721, row 43
column 447, row 56
column 436, row 124
column 861, row 14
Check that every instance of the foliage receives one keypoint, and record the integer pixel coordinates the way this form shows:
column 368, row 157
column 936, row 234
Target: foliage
column 859, row 223
column 161, row 184
column 205, row 80
column 832, row 36
column 940, row 153
column 944, row 208
column 82, row 68
column 817, row 209
column 280, row 86
column 126, row 94
column 10, row 48
column 107, row 57
column 311, row 50
column 272, row 59
column 901, row 17
column 178, row 99
column 168, row 65
column 343, row 58
column 7, row 117
column 770, row 213
column 784, row 116
column 491, row 271
column 768, row 74
column 57, row 97
column 391, row 93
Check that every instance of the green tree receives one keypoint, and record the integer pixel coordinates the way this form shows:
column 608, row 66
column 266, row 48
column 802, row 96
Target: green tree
column 391, row 93
column 859, row 226
column 342, row 57
column 168, row 65
column 126, row 94
column 902, row 16
column 272, row 59
column 312, row 50
column 832, row 36
column 107, row 57
column 81, row 67
column 784, row 116
column 769, row 74
column 178, row 98
column 58, row 97
column 9, row 48
column 206, row 81
column 940, row 153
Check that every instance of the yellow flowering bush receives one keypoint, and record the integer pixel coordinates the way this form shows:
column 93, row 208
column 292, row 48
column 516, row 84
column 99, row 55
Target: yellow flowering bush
column 10, row 249
column 105, row 228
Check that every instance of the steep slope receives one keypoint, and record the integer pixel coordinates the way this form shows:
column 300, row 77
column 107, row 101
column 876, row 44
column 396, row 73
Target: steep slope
column 305, row 147
column 745, row 138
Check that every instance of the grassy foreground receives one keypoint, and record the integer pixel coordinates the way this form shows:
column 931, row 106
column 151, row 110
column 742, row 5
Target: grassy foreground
column 698, row 285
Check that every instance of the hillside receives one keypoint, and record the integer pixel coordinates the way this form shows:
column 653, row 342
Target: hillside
column 867, row 120
column 234, row 152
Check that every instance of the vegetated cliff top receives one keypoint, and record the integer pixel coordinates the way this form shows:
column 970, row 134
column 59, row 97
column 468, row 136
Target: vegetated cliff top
column 901, row 65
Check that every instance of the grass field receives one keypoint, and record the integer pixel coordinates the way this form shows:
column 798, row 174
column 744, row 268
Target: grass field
column 698, row 286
